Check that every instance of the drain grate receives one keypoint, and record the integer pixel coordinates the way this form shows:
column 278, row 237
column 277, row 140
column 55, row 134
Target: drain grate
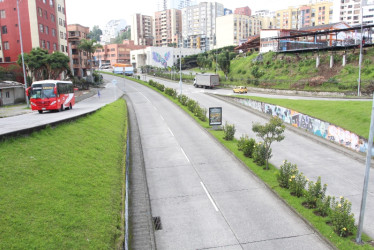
column 157, row 223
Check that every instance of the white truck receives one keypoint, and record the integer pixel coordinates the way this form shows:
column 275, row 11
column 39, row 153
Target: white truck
column 206, row 81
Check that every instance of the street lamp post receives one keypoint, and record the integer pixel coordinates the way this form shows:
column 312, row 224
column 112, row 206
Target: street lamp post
column 23, row 60
column 180, row 63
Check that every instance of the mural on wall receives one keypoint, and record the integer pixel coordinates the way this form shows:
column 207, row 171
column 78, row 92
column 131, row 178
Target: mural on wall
column 315, row 126
column 159, row 59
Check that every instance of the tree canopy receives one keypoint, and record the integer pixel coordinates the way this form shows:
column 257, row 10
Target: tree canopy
column 95, row 33
column 42, row 65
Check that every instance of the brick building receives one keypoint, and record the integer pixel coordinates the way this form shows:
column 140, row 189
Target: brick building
column 245, row 11
column 42, row 22
column 168, row 27
column 78, row 60
column 115, row 53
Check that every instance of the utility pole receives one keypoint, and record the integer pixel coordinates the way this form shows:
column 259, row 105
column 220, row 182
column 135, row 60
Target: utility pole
column 23, row 60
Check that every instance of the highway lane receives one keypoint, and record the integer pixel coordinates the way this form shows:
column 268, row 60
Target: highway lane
column 204, row 196
column 343, row 174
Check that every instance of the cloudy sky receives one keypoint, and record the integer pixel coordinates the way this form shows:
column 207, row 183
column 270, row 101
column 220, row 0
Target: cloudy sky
column 90, row 13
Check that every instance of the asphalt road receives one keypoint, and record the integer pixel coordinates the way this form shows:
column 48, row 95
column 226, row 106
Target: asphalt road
column 342, row 171
column 203, row 195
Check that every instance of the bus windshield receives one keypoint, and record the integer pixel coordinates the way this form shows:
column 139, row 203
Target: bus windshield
column 45, row 91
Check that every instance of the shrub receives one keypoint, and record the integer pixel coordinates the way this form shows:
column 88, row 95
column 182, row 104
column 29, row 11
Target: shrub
column 191, row 105
column 323, row 206
column 259, row 154
column 171, row 92
column 244, row 72
column 183, row 99
column 297, row 184
column 285, row 172
column 239, row 71
column 315, row 192
column 242, row 142
column 246, row 145
column 201, row 113
column 342, row 219
column 229, row 131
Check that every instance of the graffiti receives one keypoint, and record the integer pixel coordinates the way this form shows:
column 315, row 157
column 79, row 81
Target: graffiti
column 163, row 60
column 312, row 125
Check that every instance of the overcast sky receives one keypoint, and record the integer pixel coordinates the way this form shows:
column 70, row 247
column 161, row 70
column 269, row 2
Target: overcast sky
column 90, row 13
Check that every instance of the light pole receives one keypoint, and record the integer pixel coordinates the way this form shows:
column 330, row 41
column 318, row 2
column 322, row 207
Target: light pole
column 180, row 65
column 23, row 60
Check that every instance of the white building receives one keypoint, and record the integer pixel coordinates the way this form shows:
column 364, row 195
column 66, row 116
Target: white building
column 199, row 25
column 160, row 57
column 368, row 13
column 111, row 30
column 61, row 17
column 348, row 11
column 231, row 29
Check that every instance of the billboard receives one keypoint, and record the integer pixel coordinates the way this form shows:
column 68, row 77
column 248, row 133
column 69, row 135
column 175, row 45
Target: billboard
column 215, row 116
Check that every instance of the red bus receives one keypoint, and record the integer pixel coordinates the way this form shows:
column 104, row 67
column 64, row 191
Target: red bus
column 51, row 95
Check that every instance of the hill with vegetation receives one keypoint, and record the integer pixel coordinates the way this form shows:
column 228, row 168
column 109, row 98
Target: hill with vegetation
column 296, row 70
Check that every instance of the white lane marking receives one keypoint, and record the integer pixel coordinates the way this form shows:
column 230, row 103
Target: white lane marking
column 210, row 197
column 171, row 132
column 144, row 96
column 162, row 118
column 185, row 155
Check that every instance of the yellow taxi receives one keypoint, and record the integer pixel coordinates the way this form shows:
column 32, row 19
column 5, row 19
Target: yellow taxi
column 240, row 89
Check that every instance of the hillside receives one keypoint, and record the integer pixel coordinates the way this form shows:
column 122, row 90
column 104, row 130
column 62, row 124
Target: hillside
column 298, row 71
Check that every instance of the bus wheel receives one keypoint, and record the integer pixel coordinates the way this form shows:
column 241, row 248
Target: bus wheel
column 40, row 111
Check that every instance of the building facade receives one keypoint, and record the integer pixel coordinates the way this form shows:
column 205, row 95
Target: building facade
column 231, row 29
column 115, row 53
column 348, row 11
column 142, row 30
column 40, row 23
column 199, row 25
column 167, row 28
column 315, row 14
column 368, row 14
column 245, row 11
column 78, row 60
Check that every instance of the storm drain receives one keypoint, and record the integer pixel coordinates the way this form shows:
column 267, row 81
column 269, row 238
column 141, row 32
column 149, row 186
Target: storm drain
column 157, row 223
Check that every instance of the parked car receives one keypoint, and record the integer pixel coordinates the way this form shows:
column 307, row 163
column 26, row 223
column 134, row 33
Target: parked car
column 240, row 89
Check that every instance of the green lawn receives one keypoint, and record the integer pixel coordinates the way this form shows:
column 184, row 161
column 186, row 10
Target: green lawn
column 350, row 115
column 61, row 188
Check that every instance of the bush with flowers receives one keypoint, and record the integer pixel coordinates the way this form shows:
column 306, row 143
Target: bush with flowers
column 343, row 221
column 315, row 192
column 246, row 145
column 285, row 172
column 229, row 131
column 324, row 206
column 297, row 184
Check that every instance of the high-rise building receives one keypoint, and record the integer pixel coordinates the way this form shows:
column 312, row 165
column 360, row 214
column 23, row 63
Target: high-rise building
column 231, row 29
column 78, row 60
column 199, row 25
column 167, row 27
column 142, row 30
column 43, row 25
column 314, row 14
column 368, row 13
column 348, row 11
column 111, row 30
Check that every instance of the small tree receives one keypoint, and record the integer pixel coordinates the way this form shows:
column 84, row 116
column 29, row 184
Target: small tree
column 224, row 62
column 270, row 132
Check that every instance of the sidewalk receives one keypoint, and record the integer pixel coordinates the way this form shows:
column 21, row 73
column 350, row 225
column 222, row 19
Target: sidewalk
column 21, row 109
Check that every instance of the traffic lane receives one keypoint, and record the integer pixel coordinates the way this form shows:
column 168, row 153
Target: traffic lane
column 220, row 174
column 342, row 173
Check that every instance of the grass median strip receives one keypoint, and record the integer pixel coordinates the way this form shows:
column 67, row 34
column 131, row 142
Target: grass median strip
column 270, row 178
column 62, row 187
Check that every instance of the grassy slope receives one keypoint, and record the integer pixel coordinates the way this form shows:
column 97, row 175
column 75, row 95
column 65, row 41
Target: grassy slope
column 351, row 115
column 61, row 187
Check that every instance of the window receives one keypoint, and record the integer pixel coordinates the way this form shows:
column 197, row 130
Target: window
column 62, row 48
column 51, row 2
column 53, row 18
column 43, row 44
column 46, row 29
column 44, row 1
column 46, row 14
column 4, row 30
column 7, row 94
column 66, row 48
column 59, row 7
column 40, row 12
column 60, row 21
column 41, row 28
column 54, row 46
column 6, row 45
column 2, row 14
column 61, row 35
column 7, row 59
column 48, row 45
column 53, row 32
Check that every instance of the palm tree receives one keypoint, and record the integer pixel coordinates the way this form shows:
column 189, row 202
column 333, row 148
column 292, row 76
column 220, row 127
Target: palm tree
column 89, row 46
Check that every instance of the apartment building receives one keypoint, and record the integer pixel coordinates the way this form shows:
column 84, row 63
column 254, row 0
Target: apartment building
column 142, row 30
column 40, row 23
column 111, row 30
column 246, row 11
column 116, row 53
column 318, row 13
column 199, row 25
column 368, row 13
column 167, row 28
column 349, row 11
column 232, row 29
column 78, row 60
